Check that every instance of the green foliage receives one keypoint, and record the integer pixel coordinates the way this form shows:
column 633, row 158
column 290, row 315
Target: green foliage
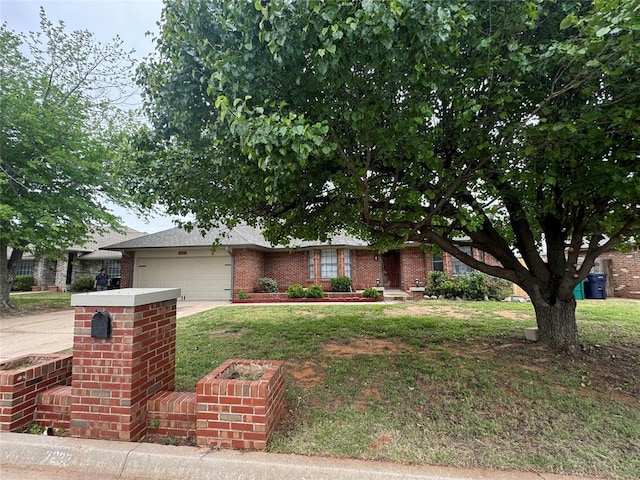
column 314, row 291
column 371, row 292
column 23, row 283
column 508, row 124
column 474, row 286
column 61, row 135
column 84, row 284
column 35, row 429
column 295, row 291
column 243, row 295
column 341, row 284
column 267, row 285
column 434, row 282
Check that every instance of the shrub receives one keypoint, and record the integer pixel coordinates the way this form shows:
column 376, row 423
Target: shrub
column 474, row 286
column 295, row 291
column 434, row 283
column 314, row 291
column 243, row 295
column 23, row 283
column 371, row 293
column 341, row 284
column 84, row 284
column 267, row 285
column 498, row 288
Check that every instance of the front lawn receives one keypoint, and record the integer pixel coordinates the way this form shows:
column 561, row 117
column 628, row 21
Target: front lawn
column 448, row 383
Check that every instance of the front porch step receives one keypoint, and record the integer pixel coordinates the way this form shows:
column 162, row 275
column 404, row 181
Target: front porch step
column 396, row 295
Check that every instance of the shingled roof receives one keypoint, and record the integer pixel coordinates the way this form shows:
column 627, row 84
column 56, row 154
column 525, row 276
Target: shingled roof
column 239, row 236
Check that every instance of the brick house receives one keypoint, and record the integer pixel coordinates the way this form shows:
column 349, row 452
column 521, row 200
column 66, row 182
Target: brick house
column 623, row 272
column 77, row 261
column 178, row 259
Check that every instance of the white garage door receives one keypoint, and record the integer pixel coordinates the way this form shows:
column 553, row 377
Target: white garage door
column 199, row 274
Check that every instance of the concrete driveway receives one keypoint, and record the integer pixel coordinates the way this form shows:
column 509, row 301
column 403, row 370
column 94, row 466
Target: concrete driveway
column 52, row 332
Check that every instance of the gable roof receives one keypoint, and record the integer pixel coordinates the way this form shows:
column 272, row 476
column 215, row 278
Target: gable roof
column 93, row 246
column 239, row 236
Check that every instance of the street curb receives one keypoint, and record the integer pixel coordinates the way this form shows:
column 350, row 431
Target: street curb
column 164, row 462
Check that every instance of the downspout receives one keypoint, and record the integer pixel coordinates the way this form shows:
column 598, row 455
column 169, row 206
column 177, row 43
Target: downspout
column 233, row 271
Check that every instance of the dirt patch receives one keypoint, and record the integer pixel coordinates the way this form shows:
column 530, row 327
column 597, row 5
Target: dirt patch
column 513, row 315
column 306, row 374
column 366, row 346
column 419, row 310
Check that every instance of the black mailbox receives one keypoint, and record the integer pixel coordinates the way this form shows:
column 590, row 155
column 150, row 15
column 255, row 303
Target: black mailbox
column 101, row 325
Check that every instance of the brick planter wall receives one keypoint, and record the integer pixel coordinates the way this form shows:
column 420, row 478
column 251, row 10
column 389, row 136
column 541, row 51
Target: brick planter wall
column 53, row 407
column 20, row 386
column 237, row 413
column 172, row 413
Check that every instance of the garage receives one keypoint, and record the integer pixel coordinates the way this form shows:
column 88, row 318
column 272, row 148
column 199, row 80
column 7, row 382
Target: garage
column 199, row 273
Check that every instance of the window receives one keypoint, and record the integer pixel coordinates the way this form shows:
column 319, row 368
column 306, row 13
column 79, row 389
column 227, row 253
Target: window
column 437, row 262
column 328, row 263
column 347, row 263
column 112, row 267
column 311, row 264
column 460, row 268
column 25, row 268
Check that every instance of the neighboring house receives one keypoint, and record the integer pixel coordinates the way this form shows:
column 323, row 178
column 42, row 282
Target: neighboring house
column 79, row 261
column 623, row 272
column 176, row 258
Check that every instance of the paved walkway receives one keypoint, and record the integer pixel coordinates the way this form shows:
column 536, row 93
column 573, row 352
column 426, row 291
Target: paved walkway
column 52, row 332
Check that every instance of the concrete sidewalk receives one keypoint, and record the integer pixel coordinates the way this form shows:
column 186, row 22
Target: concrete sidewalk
column 51, row 332
column 109, row 459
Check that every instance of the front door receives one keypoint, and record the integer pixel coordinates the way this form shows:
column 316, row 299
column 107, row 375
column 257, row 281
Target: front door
column 391, row 269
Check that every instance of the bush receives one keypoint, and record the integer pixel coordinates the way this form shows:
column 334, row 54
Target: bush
column 314, row 291
column 23, row 283
column 267, row 285
column 243, row 295
column 434, row 283
column 474, row 286
column 84, row 284
column 498, row 288
column 341, row 284
column 371, row 293
column 295, row 291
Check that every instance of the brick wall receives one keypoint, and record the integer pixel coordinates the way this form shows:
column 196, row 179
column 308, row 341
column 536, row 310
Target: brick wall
column 288, row 268
column 54, row 407
column 126, row 269
column 22, row 379
column 239, row 413
column 248, row 267
column 413, row 265
column 366, row 268
column 626, row 272
column 172, row 413
column 113, row 378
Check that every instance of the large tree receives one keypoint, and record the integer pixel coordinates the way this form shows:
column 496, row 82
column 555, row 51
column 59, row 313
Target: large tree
column 510, row 126
column 60, row 126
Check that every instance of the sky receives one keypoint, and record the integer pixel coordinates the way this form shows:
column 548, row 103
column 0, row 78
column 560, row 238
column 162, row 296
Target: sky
column 106, row 19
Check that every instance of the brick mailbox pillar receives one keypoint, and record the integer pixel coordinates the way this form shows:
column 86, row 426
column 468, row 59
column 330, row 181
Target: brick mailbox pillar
column 114, row 377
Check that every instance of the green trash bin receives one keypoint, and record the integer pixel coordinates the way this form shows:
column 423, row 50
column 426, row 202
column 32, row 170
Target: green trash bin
column 578, row 291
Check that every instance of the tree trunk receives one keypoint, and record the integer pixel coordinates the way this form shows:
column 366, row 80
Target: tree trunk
column 8, row 268
column 557, row 324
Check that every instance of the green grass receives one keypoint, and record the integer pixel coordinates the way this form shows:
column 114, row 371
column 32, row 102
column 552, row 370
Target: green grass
column 449, row 383
column 31, row 302
column 444, row 383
